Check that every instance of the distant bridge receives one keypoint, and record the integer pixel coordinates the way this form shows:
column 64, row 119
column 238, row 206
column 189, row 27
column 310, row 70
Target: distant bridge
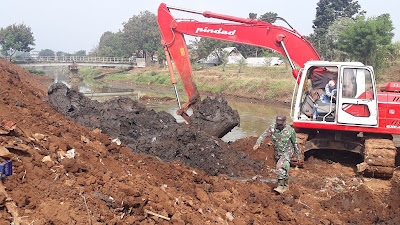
column 42, row 61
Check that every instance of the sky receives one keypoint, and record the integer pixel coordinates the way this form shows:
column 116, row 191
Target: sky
column 73, row 25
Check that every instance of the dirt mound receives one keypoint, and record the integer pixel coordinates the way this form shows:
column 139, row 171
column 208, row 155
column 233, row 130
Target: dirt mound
column 15, row 77
column 147, row 132
column 65, row 173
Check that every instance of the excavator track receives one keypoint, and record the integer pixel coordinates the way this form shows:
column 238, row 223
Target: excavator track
column 301, row 139
column 379, row 157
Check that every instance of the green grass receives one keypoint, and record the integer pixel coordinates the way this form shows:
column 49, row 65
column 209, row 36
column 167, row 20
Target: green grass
column 36, row 72
column 276, row 89
column 147, row 77
column 89, row 72
column 258, row 82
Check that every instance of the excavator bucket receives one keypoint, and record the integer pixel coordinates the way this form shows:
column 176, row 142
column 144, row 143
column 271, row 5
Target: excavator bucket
column 215, row 117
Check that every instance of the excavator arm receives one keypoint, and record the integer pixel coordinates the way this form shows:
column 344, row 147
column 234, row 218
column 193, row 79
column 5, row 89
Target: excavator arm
column 245, row 31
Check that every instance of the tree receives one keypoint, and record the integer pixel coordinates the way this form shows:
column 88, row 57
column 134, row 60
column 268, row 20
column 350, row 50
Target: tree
column 332, row 53
column 269, row 17
column 46, row 52
column 80, row 53
column 222, row 57
column 327, row 13
column 369, row 41
column 114, row 44
column 242, row 63
column 143, row 31
column 205, row 46
column 252, row 15
column 61, row 53
column 329, row 10
column 16, row 38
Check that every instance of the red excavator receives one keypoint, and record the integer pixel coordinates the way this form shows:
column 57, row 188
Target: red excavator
column 356, row 118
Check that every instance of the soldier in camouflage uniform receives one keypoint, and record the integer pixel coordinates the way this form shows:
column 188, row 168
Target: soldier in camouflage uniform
column 285, row 144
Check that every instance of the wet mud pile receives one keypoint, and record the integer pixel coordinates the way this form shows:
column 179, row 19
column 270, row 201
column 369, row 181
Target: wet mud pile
column 66, row 173
column 157, row 134
column 215, row 116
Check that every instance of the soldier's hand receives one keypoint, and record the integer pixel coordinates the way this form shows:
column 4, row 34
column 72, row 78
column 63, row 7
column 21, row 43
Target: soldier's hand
column 255, row 147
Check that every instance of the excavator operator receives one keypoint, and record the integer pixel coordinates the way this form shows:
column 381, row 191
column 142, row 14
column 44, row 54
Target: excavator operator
column 330, row 92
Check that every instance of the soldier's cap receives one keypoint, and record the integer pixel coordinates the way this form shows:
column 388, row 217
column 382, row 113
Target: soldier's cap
column 280, row 119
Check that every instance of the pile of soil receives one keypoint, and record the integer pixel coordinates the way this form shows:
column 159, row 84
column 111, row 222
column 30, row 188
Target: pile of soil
column 65, row 173
column 147, row 132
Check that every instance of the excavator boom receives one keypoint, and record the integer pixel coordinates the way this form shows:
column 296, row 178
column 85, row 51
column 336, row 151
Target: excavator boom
column 245, row 31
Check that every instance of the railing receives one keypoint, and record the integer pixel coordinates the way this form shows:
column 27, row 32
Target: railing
column 76, row 59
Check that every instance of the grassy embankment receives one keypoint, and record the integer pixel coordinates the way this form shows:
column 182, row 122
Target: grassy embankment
column 266, row 83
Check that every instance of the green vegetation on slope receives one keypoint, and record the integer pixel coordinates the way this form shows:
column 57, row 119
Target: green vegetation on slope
column 89, row 72
column 36, row 71
column 256, row 82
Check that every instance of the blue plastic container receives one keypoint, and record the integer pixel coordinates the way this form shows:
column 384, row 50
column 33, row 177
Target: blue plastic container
column 6, row 168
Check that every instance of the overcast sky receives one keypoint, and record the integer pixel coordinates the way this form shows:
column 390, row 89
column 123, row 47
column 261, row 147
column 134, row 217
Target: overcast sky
column 74, row 25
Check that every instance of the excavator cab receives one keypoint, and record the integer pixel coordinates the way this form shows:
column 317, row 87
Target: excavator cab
column 354, row 101
column 314, row 105
column 353, row 122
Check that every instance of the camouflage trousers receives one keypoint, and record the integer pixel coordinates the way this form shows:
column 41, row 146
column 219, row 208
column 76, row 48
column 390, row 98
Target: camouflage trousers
column 282, row 167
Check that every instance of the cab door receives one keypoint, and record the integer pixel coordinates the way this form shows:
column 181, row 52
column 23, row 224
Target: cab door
column 357, row 97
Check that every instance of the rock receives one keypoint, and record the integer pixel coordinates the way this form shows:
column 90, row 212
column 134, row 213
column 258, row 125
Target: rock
column 39, row 137
column 5, row 153
column 46, row 159
column 229, row 216
column 202, row 195
column 285, row 214
column 84, row 139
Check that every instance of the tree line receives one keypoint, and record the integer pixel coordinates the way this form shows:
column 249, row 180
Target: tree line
column 341, row 32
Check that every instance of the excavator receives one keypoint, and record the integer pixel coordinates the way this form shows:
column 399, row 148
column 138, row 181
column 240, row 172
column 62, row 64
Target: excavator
column 358, row 118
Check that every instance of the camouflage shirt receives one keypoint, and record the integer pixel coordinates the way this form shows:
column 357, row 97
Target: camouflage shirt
column 284, row 141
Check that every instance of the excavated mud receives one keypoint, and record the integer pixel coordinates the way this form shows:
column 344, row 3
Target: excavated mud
column 66, row 173
column 158, row 134
column 215, row 116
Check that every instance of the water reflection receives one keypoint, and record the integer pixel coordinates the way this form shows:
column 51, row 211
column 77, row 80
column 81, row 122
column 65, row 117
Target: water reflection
column 254, row 118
